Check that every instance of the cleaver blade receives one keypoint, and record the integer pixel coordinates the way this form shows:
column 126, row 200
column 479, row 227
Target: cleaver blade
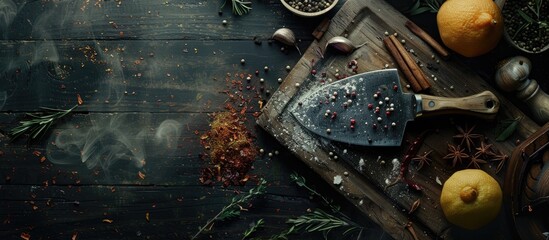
column 370, row 109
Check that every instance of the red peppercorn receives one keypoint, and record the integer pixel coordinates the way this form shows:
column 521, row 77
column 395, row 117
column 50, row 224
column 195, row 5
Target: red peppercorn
column 370, row 106
column 395, row 87
column 353, row 121
column 352, row 127
column 313, row 71
column 388, row 113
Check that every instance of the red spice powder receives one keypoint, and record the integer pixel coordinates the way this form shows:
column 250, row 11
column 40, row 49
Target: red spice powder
column 229, row 146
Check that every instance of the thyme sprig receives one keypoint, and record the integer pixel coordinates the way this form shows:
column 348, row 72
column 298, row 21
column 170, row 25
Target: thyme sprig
column 39, row 124
column 253, row 228
column 300, row 181
column 240, row 7
column 233, row 208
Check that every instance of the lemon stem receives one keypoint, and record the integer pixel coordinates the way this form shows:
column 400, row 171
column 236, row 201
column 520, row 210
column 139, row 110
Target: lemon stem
column 485, row 19
column 468, row 194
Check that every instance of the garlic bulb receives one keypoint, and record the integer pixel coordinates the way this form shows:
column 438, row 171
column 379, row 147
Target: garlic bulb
column 342, row 44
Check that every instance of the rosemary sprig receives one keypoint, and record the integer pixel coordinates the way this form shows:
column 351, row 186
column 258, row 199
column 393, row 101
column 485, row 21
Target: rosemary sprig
column 39, row 124
column 536, row 19
column 240, row 7
column 319, row 221
column 254, row 226
column 233, row 208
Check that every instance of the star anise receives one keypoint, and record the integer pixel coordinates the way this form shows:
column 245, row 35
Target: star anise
column 501, row 158
column 456, row 154
column 467, row 136
column 475, row 162
column 422, row 159
column 484, row 151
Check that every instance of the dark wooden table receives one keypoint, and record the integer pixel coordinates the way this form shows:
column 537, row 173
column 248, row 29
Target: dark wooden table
column 149, row 74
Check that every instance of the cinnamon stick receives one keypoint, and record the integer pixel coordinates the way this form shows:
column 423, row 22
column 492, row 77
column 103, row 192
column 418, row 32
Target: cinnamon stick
column 414, row 68
column 427, row 38
column 402, row 65
column 321, row 29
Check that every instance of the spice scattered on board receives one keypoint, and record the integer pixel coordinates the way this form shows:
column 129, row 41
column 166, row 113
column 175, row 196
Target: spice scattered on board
column 229, row 147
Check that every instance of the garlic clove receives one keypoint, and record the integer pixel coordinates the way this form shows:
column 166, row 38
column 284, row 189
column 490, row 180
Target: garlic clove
column 342, row 44
column 285, row 36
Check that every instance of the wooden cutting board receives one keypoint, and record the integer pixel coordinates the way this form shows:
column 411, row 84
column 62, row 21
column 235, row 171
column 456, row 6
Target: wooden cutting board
column 366, row 171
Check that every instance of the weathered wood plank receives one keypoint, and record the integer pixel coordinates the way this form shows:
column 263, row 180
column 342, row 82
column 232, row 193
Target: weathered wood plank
column 174, row 211
column 148, row 76
column 95, row 148
column 366, row 21
column 143, row 19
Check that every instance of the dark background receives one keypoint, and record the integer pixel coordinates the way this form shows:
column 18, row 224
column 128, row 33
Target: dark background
column 150, row 73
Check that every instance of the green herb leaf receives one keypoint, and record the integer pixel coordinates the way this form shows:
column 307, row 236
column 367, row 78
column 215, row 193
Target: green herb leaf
column 231, row 213
column 526, row 16
column 419, row 10
column 39, row 124
column 422, row 6
column 320, row 221
column 233, row 208
column 240, row 7
column 508, row 130
column 253, row 228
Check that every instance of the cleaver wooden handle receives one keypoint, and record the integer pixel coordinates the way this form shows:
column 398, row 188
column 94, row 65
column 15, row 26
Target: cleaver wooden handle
column 483, row 105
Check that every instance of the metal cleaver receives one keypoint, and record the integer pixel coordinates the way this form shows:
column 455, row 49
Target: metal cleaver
column 370, row 109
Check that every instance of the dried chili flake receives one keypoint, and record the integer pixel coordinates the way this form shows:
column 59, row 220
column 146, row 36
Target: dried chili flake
column 148, row 216
column 25, row 236
column 106, row 220
column 74, row 236
column 140, row 175
column 230, row 149
column 79, row 99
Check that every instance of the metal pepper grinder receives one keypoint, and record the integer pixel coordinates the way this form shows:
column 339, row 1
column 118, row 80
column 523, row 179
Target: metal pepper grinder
column 512, row 75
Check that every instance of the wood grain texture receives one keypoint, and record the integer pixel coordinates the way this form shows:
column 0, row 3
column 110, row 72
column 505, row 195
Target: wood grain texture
column 153, row 20
column 135, row 75
column 140, row 66
column 60, row 195
column 369, row 168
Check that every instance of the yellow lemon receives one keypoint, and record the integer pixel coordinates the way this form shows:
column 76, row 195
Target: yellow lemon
column 470, row 27
column 471, row 198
